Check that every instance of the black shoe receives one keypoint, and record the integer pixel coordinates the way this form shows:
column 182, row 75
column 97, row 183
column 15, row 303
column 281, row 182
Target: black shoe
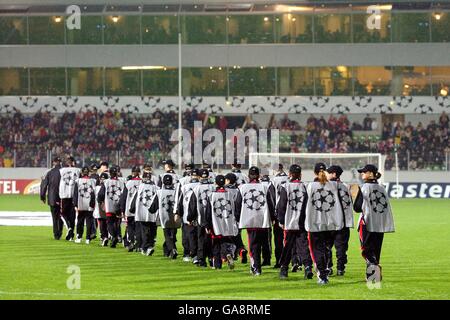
column 330, row 272
column 114, row 242
column 202, row 264
column 105, row 242
column 93, row 236
column 130, row 248
column 277, row 266
column 173, row 254
column 308, row 273
column 70, row 235
column 266, row 263
column 211, row 263
column 283, row 272
column 57, row 238
column 340, row 273
column 295, row 267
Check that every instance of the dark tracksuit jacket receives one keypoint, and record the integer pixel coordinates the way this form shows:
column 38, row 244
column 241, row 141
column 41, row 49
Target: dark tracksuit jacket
column 50, row 192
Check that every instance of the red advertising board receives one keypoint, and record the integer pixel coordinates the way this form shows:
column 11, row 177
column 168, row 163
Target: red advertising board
column 19, row 186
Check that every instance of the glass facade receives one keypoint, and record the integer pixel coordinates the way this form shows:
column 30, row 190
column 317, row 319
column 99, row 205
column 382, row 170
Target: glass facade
column 46, row 30
column 233, row 80
column 331, row 26
column 47, row 81
column 13, row 30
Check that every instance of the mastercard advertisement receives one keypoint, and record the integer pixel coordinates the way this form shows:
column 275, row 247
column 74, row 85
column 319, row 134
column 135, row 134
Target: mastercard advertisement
column 19, row 186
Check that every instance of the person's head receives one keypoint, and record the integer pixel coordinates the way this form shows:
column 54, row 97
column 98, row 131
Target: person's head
column 236, row 165
column 204, row 174
column 280, row 167
column 369, row 172
column 319, row 171
column 103, row 176
column 206, row 165
column 94, row 168
column 334, row 172
column 146, row 174
column 167, row 180
column 195, row 173
column 295, row 172
column 104, row 166
column 265, row 178
column 148, row 167
column 168, row 165
column 220, row 181
column 253, row 173
column 70, row 161
column 113, row 172
column 230, row 178
column 56, row 161
column 135, row 171
column 188, row 168
column 85, row 171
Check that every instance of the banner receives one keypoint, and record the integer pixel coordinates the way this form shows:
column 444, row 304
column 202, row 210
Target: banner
column 418, row 190
column 16, row 186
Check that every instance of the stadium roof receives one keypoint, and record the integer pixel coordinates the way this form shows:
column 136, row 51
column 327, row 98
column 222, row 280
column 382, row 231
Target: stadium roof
column 198, row 6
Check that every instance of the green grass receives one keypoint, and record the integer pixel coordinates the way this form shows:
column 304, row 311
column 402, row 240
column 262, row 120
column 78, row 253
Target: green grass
column 415, row 263
column 21, row 203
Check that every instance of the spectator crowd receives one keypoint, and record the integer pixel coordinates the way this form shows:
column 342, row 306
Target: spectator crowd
column 27, row 139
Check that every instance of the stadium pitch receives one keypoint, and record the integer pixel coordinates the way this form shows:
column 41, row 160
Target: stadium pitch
column 415, row 263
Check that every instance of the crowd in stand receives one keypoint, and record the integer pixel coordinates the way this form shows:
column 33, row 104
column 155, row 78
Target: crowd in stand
column 136, row 139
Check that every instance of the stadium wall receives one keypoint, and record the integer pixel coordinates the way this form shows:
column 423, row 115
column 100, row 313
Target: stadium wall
column 413, row 184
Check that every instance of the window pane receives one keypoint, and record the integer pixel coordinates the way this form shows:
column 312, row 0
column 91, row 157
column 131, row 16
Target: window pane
column 252, row 81
column 440, row 77
column 205, row 81
column 161, row 82
column 361, row 32
column 204, row 29
column 159, row 29
column 410, row 27
column 48, row 81
column 85, row 81
column 46, row 30
column 333, row 81
column 295, row 81
column 440, row 27
column 375, row 81
column 122, row 82
column 411, row 81
column 330, row 28
column 13, row 81
column 293, row 28
column 122, row 29
column 90, row 32
column 250, row 29
column 13, row 30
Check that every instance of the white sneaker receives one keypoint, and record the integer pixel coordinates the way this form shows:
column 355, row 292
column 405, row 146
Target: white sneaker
column 186, row 259
column 78, row 240
column 88, row 241
column 149, row 251
column 230, row 261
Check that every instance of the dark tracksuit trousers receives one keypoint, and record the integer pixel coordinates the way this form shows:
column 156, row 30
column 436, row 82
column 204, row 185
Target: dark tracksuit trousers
column 84, row 217
column 319, row 249
column 278, row 237
column 204, row 245
column 138, row 234
column 295, row 241
column 257, row 239
column 112, row 223
column 192, row 239
column 371, row 243
column 58, row 223
column 131, row 231
column 148, row 232
column 340, row 242
column 102, row 225
column 68, row 213
column 221, row 247
column 170, row 236
column 240, row 248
